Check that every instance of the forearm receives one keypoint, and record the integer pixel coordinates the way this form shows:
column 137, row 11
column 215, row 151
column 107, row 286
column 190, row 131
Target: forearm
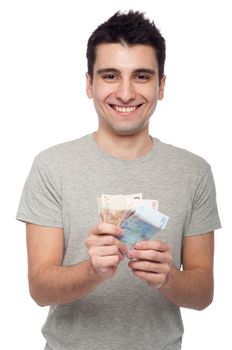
column 52, row 284
column 190, row 289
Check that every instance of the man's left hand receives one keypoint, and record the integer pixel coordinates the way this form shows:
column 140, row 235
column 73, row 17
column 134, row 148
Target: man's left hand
column 151, row 262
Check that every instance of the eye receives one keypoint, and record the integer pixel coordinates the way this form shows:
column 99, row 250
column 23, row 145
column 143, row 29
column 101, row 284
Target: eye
column 109, row 76
column 143, row 77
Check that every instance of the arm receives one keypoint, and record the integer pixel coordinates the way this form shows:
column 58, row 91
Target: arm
column 190, row 288
column 193, row 287
column 50, row 282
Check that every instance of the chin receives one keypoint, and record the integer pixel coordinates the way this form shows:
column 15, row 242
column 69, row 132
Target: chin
column 128, row 131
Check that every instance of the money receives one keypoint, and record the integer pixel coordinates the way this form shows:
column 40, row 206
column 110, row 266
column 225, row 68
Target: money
column 149, row 203
column 115, row 208
column 144, row 224
column 139, row 218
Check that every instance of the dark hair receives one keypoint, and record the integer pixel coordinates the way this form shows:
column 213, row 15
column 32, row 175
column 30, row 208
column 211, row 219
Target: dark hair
column 131, row 28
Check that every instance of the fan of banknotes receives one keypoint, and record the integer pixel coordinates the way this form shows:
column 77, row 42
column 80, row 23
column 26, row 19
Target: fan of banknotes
column 139, row 218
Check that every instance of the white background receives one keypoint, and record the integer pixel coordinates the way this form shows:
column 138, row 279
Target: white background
column 43, row 102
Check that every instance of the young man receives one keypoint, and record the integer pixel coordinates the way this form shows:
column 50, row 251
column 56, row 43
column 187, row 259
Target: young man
column 99, row 298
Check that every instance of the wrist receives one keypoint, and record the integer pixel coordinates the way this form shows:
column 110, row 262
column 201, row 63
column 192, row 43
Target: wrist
column 168, row 280
column 92, row 273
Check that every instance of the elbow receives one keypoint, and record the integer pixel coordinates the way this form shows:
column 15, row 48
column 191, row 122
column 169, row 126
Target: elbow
column 206, row 296
column 36, row 291
column 39, row 303
column 35, row 295
column 205, row 303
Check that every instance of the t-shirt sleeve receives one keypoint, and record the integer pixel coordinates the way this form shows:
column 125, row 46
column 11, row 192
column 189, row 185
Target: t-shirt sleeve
column 40, row 201
column 204, row 215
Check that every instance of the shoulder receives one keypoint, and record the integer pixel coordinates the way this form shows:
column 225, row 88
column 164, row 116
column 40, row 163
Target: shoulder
column 182, row 160
column 63, row 153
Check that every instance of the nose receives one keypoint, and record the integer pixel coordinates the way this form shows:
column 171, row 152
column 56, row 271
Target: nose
column 125, row 91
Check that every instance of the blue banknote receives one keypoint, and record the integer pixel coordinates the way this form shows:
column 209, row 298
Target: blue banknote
column 144, row 224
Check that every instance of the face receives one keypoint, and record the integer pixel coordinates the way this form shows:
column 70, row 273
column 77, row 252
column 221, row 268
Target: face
column 125, row 87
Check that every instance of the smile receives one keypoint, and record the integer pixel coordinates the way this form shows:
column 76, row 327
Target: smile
column 123, row 109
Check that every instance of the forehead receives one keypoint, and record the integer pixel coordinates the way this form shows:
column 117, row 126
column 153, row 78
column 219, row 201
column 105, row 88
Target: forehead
column 125, row 57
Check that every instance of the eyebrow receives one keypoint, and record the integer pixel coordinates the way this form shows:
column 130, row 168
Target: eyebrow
column 145, row 70
column 136, row 71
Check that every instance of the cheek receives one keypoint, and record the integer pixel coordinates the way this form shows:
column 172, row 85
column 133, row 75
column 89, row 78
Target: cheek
column 152, row 98
column 98, row 92
column 149, row 92
column 99, row 102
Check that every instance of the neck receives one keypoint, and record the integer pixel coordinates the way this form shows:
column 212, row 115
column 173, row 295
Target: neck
column 124, row 147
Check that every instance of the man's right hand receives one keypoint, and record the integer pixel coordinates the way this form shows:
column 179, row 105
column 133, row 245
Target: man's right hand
column 106, row 251
column 51, row 282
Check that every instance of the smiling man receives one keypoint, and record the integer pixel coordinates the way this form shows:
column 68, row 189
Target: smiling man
column 102, row 295
column 125, row 87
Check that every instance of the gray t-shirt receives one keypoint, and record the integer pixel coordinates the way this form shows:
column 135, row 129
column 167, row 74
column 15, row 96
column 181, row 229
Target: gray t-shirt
column 61, row 191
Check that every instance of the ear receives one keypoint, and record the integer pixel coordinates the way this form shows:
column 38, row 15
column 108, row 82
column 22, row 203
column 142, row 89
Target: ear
column 89, row 91
column 161, row 87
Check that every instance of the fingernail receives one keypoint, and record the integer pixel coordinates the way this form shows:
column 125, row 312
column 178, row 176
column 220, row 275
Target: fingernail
column 138, row 245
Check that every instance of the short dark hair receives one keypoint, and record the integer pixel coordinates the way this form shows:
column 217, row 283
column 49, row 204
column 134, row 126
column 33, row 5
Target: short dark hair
column 131, row 28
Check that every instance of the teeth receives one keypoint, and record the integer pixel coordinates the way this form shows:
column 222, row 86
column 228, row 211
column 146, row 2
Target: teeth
column 125, row 109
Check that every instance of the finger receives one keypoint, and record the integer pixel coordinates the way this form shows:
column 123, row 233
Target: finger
column 151, row 255
column 104, row 250
column 105, row 228
column 105, row 261
column 158, row 245
column 153, row 279
column 105, row 240
column 94, row 240
column 123, row 248
column 149, row 266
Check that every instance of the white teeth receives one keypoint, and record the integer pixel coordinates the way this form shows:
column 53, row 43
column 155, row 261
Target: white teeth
column 124, row 109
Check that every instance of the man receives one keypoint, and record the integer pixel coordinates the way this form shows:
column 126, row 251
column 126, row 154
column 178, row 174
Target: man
column 102, row 295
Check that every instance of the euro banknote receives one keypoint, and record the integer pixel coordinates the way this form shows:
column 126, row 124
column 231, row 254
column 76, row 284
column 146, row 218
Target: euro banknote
column 139, row 218
column 144, row 224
